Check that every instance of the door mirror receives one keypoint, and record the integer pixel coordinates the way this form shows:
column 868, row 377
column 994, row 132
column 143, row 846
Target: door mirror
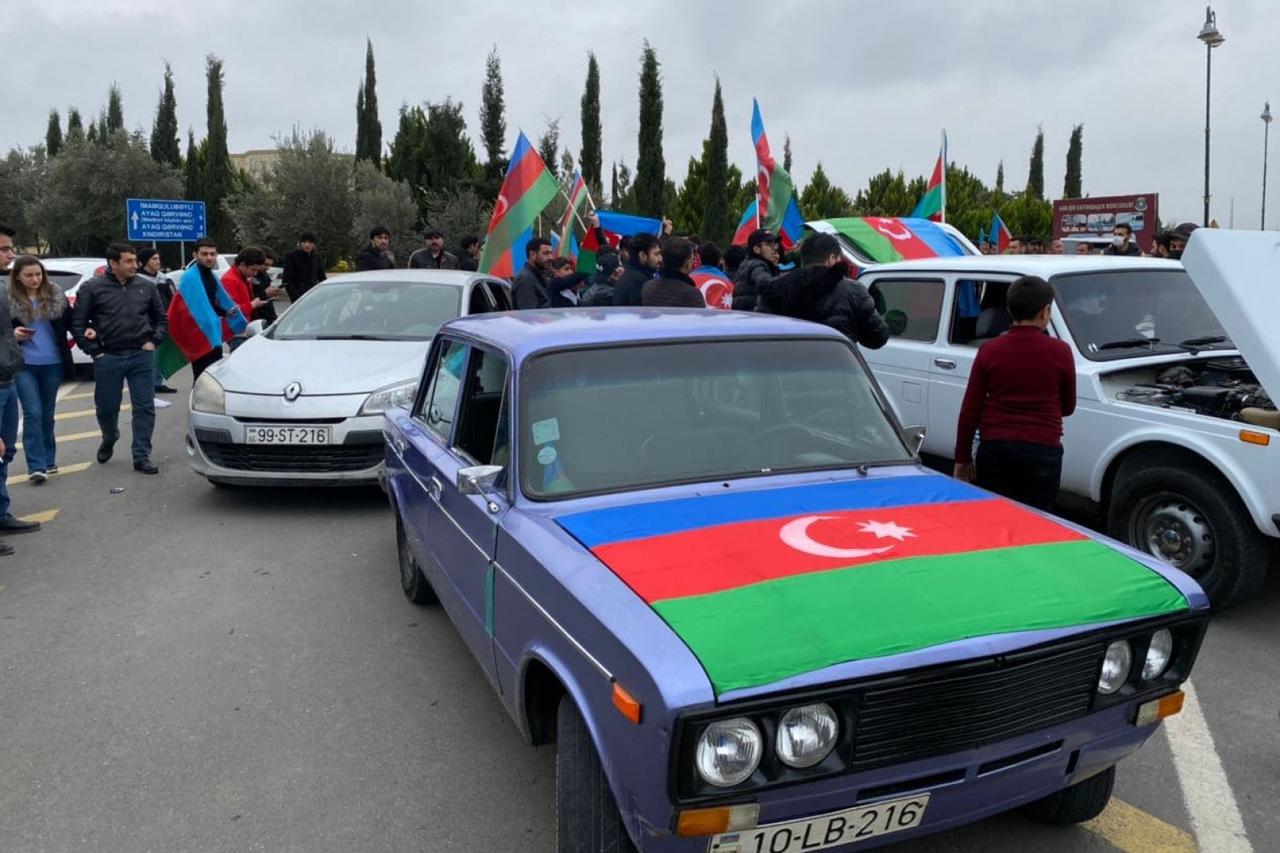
column 915, row 437
column 477, row 479
column 255, row 328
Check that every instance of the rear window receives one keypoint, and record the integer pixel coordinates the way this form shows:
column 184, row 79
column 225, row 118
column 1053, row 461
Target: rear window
column 64, row 280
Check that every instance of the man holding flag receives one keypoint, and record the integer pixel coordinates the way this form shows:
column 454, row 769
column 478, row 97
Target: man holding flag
column 201, row 316
column 775, row 192
column 526, row 191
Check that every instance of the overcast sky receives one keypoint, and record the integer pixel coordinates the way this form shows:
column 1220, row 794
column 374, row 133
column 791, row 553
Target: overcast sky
column 858, row 85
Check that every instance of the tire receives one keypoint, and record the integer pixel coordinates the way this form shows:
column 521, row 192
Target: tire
column 415, row 585
column 587, row 816
column 1077, row 803
column 1193, row 505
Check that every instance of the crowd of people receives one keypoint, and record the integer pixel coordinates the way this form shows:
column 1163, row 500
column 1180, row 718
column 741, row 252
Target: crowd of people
column 1167, row 243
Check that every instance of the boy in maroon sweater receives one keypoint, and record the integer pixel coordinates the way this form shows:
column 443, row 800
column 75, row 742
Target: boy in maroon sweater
column 1022, row 385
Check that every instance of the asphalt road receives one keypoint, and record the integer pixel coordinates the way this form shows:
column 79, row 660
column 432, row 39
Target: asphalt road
column 191, row 668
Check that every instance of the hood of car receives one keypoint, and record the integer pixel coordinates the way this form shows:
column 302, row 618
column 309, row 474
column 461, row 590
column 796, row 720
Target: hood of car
column 1238, row 274
column 769, row 584
column 263, row 365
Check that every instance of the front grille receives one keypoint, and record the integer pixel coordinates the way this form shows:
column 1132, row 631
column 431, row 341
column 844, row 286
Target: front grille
column 952, row 712
column 310, row 459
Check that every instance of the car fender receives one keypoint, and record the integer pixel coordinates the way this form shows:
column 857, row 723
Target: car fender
column 1223, row 463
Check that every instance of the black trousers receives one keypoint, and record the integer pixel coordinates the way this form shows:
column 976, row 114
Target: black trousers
column 1025, row 472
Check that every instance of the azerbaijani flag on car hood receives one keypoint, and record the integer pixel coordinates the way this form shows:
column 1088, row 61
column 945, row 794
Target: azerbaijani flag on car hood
column 768, row 584
column 885, row 239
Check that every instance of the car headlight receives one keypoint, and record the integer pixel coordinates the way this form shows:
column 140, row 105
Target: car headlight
column 806, row 735
column 399, row 394
column 1115, row 667
column 1159, row 653
column 729, row 752
column 207, row 396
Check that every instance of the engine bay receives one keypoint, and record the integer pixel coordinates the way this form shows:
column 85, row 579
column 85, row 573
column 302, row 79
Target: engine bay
column 1219, row 388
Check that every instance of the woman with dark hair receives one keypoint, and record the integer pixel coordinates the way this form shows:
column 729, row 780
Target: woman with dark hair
column 39, row 310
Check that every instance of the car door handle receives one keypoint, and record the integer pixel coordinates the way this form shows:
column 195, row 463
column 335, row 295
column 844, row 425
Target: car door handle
column 945, row 363
column 435, row 488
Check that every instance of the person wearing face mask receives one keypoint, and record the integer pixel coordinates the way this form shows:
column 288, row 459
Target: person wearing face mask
column 1122, row 242
column 757, row 271
column 1178, row 238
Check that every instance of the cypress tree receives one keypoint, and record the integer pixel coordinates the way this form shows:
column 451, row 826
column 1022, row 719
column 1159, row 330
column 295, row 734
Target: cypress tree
column 368, row 125
column 613, row 186
column 164, row 131
column 75, row 126
column 1035, row 173
column 1000, row 177
column 115, row 111
column 493, row 123
column 549, row 145
column 91, row 133
column 786, row 153
column 716, row 218
column 651, row 178
column 216, row 173
column 194, row 187
column 590, row 159
column 53, row 134
column 1075, row 149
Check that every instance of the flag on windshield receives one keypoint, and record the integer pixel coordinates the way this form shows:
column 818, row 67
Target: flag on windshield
column 775, row 192
column 526, row 191
column 933, row 204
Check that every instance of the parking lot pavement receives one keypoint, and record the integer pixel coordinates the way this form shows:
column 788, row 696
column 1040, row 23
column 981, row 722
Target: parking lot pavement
column 194, row 668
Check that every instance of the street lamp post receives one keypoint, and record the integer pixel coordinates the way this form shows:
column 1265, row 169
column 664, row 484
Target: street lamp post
column 1266, row 131
column 1212, row 38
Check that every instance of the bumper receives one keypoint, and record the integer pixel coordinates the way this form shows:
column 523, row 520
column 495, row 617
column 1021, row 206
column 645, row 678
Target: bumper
column 217, row 451
column 964, row 787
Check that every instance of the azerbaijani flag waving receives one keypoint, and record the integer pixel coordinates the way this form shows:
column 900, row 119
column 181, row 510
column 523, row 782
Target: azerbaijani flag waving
column 614, row 228
column 769, row 583
column 526, row 191
column 885, row 239
column 196, row 327
column 749, row 222
column 564, row 228
column 775, row 192
column 1000, row 236
column 933, row 204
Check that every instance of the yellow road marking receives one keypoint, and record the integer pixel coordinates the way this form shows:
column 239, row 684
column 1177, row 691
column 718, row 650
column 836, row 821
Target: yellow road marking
column 74, row 468
column 41, row 517
column 1132, row 830
column 84, row 413
column 75, row 436
column 83, row 395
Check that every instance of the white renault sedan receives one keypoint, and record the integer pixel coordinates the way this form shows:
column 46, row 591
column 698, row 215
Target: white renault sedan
column 301, row 402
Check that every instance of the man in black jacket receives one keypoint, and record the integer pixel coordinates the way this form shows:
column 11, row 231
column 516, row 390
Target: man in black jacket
column 433, row 256
column 760, row 268
column 128, row 322
column 469, row 253
column 303, row 268
column 529, row 288
column 674, row 288
column 376, row 255
column 1122, row 242
column 822, row 292
column 643, row 263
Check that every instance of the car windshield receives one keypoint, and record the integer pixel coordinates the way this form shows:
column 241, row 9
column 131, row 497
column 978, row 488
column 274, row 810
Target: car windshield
column 1130, row 314
column 629, row 417
column 371, row 310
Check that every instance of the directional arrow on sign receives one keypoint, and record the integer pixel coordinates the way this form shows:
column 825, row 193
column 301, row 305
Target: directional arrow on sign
column 135, row 220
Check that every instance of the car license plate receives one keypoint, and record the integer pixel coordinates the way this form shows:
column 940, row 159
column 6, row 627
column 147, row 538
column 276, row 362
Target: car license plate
column 286, row 434
column 830, row 830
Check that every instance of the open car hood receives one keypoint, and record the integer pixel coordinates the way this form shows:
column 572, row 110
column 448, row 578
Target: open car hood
column 1238, row 274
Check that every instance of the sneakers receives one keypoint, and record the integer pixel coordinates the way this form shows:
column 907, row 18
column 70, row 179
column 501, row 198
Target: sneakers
column 161, row 404
column 37, row 478
column 105, row 450
column 145, row 466
column 52, row 469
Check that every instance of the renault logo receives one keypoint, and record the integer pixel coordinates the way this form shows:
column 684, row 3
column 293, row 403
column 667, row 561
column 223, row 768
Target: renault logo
column 292, row 391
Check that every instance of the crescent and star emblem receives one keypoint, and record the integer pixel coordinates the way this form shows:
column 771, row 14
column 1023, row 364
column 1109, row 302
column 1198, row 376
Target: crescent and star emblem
column 796, row 535
column 885, row 227
column 499, row 207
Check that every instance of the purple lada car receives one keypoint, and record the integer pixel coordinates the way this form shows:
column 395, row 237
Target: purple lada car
column 695, row 550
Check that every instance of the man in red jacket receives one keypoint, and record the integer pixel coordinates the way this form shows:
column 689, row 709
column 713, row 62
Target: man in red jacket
column 238, row 282
column 1022, row 385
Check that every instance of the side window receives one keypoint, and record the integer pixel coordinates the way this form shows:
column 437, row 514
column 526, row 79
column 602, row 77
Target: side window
column 978, row 312
column 912, row 308
column 441, row 400
column 478, row 301
column 480, row 432
column 501, row 296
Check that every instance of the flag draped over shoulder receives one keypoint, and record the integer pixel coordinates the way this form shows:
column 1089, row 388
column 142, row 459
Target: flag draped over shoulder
column 195, row 327
column 775, row 191
column 933, row 204
column 526, row 191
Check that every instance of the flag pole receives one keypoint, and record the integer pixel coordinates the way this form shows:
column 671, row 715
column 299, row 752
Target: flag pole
column 944, row 176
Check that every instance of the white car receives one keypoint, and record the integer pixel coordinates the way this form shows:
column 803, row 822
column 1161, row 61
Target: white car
column 68, row 274
column 1174, row 437
column 301, row 402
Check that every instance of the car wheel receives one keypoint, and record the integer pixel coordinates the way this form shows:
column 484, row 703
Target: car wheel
column 1077, row 803
column 1188, row 516
column 587, row 817
column 415, row 585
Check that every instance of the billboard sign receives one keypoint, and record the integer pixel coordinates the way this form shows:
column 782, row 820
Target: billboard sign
column 1098, row 215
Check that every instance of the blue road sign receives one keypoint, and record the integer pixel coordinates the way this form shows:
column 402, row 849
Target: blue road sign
column 164, row 220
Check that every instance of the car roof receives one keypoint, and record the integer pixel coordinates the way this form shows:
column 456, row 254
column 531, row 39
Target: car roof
column 1044, row 266
column 457, row 278
column 524, row 333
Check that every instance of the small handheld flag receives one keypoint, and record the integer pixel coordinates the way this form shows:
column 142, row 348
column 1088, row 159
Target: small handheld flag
column 1000, row 236
column 749, row 222
column 933, row 204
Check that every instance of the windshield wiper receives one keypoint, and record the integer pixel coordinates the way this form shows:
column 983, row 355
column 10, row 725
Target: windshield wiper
column 1208, row 340
column 1129, row 343
column 354, row 338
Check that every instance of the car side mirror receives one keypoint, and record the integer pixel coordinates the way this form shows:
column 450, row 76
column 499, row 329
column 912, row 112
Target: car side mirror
column 255, row 328
column 477, row 479
column 915, row 437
